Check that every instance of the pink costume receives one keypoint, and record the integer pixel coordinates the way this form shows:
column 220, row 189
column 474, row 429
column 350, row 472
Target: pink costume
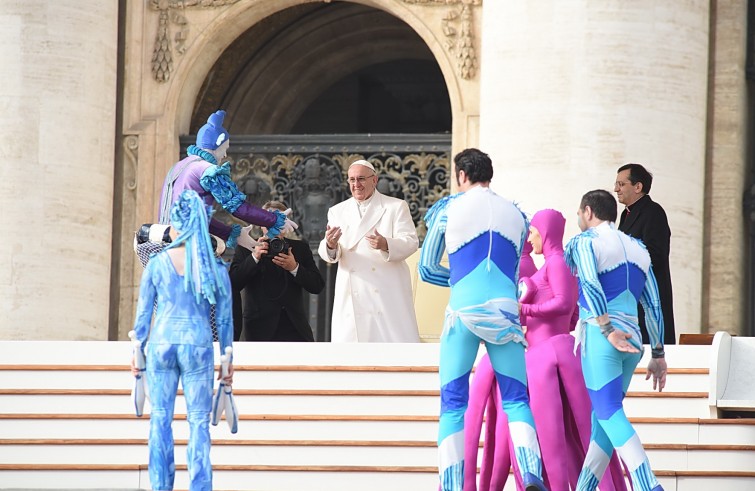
column 558, row 397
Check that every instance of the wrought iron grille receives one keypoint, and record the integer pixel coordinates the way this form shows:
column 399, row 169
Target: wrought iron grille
column 308, row 173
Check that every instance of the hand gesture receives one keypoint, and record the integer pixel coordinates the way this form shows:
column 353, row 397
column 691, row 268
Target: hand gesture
column 290, row 225
column 657, row 368
column 286, row 261
column 618, row 339
column 377, row 241
column 261, row 247
column 134, row 371
column 332, row 234
column 245, row 240
column 229, row 379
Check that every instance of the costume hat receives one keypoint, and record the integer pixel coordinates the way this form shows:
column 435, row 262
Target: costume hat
column 212, row 134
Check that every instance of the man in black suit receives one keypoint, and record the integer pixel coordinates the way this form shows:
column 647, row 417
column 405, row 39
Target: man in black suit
column 273, row 307
column 646, row 220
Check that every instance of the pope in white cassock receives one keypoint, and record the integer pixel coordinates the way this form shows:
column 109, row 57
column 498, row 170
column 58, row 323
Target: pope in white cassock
column 370, row 235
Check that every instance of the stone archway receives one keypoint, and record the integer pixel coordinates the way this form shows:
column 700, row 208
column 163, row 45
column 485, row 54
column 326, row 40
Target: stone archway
column 266, row 79
column 157, row 112
column 425, row 18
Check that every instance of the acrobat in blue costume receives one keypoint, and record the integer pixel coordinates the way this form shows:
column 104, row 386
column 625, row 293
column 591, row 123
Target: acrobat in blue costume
column 614, row 274
column 179, row 344
column 484, row 234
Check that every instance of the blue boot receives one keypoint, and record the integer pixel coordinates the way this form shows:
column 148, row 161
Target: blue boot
column 533, row 483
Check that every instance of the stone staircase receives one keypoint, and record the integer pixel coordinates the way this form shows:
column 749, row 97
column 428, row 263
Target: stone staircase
column 313, row 416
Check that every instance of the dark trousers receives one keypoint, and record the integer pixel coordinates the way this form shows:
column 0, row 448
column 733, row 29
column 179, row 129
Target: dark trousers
column 286, row 331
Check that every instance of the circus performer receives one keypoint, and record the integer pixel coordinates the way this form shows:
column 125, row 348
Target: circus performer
column 485, row 404
column 614, row 275
column 202, row 172
column 484, row 234
column 184, row 280
column 558, row 396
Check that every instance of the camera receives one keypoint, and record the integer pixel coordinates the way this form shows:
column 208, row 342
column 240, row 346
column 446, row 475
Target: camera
column 276, row 246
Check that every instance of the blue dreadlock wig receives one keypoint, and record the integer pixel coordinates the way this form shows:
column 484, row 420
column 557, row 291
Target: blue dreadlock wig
column 189, row 216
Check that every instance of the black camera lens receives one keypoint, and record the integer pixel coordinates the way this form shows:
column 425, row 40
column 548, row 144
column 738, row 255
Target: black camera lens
column 276, row 246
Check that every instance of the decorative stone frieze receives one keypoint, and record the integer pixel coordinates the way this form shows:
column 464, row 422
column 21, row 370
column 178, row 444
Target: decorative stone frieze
column 171, row 11
column 131, row 152
column 458, row 27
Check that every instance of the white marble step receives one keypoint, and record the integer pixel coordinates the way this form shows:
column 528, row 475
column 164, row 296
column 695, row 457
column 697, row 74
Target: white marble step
column 712, row 483
column 240, row 480
column 256, row 378
column 726, row 431
column 412, row 430
column 421, row 429
column 247, row 404
column 679, row 407
column 316, row 354
column 395, row 454
column 313, row 354
column 676, row 407
column 707, row 432
column 83, row 479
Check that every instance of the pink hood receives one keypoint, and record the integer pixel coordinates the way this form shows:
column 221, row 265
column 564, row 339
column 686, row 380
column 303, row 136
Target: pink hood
column 550, row 224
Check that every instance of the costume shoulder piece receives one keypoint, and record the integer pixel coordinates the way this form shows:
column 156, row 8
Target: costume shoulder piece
column 217, row 180
column 636, row 241
column 439, row 207
column 574, row 243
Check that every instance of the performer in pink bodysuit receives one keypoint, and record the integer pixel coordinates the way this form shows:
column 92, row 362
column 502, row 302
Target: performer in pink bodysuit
column 558, row 397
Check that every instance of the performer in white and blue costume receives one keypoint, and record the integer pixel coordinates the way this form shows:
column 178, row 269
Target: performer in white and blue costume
column 614, row 273
column 186, row 279
column 484, row 235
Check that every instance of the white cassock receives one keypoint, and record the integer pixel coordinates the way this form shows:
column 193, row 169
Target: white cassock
column 373, row 298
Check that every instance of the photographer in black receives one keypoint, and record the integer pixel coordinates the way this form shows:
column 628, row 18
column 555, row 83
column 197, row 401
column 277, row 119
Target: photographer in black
column 272, row 278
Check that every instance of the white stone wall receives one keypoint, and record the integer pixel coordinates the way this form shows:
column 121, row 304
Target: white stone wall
column 572, row 90
column 57, row 130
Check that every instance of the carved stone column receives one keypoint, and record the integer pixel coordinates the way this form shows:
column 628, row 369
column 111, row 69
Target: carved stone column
column 57, row 126
column 572, row 90
column 726, row 276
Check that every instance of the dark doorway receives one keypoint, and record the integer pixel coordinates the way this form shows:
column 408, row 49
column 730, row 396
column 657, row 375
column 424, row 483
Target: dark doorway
column 402, row 96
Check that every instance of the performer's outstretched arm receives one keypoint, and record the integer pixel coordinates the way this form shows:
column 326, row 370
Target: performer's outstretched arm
column 562, row 285
column 430, row 269
column 216, row 180
column 651, row 303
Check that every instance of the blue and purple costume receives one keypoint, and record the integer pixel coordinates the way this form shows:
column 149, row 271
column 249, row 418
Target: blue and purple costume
column 614, row 273
column 484, row 235
column 200, row 172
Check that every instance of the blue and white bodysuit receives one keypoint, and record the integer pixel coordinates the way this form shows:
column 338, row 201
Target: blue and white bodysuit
column 179, row 345
column 484, row 234
column 614, row 274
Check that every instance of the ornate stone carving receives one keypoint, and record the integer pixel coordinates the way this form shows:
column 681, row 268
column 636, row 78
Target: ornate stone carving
column 131, row 152
column 459, row 29
column 172, row 11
